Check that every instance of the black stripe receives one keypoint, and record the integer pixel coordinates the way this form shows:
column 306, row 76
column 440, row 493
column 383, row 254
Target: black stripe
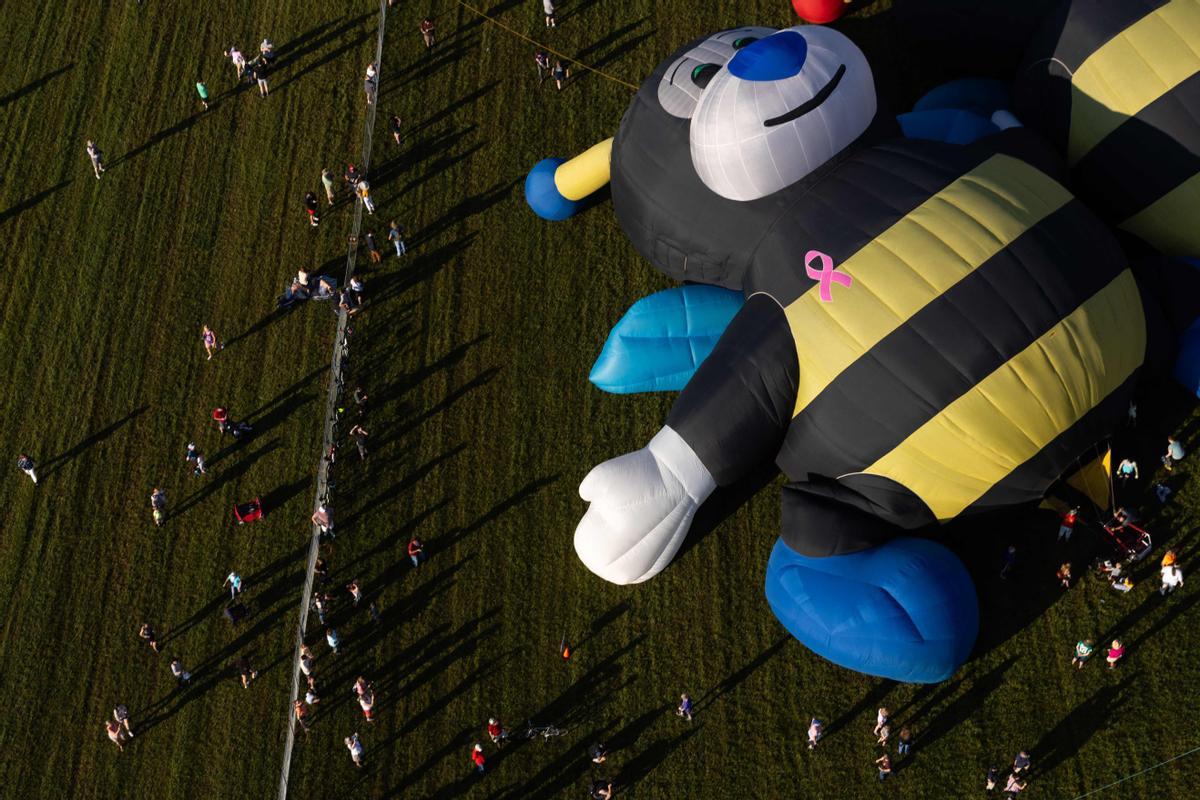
column 851, row 205
column 1090, row 24
column 1029, row 482
column 831, row 518
column 1146, row 157
column 952, row 344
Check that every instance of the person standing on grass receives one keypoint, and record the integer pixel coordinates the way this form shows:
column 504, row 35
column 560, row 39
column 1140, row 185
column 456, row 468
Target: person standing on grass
column 373, row 248
column 366, row 701
column 116, row 734
column 330, row 184
column 355, row 592
column 306, row 661
column 259, row 73
column 884, row 734
column 323, row 519
column 1064, row 575
column 26, row 465
column 146, row 633
column 239, row 61
column 1172, row 577
column 416, row 551
column 235, row 585
column 158, row 505
column 246, row 672
column 396, row 237
column 311, row 697
column 397, row 129
column 993, row 777
column 1022, row 763
column 478, row 759
column 1169, row 557
column 334, row 641
column 182, row 676
column 1173, row 455
column 904, row 745
column 884, row 763
column 352, row 177
column 301, row 712
column 97, row 158
column 373, row 611
column 311, row 207
column 1014, row 786
column 321, row 570
column 881, row 720
column 197, row 459
column 370, row 83
column 360, row 400
column 363, row 190
column 1083, row 651
column 427, row 27
column 211, row 343
column 685, row 707
column 551, row 19
column 320, row 604
column 357, row 752
column 542, row 60
column 815, row 731
column 121, row 716
column 202, row 90
column 561, row 74
column 359, row 434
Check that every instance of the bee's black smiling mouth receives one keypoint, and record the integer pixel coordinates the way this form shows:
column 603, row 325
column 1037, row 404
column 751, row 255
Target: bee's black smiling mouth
column 809, row 105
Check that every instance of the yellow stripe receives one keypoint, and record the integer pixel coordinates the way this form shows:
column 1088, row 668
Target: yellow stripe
column 1132, row 70
column 1172, row 222
column 938, row 244
column 1008, row 417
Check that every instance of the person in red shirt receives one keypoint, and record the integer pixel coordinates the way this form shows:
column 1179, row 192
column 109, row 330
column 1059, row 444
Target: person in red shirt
column 220, row 415
column 1068, row 525
column 478, row 759
column 427, row 34
column 497, row 733
column 416, row 551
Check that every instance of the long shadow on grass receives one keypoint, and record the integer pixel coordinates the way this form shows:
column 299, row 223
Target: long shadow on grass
column 55, row 463
column 654, row 755
column 30, row 202
column 399, row 487
column 1066, row 738
column 871, row 700
column 738, row 677
column 961, row 708
column 32, row 86
column 262, row 324
column 425, row 266
column 225, row 477
column 612, row 38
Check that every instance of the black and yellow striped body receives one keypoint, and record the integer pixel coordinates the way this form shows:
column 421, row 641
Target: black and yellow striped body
column 990, row 333
column 1116, row 87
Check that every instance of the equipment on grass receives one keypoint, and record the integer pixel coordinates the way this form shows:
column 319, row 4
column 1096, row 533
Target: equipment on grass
column 251, row 511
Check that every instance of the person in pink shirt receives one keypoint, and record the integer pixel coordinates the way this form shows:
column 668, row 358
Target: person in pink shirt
column 1115, row 653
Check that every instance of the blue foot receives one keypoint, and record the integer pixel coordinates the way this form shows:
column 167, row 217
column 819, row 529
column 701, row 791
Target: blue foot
column 905, row 610
column 542, row 194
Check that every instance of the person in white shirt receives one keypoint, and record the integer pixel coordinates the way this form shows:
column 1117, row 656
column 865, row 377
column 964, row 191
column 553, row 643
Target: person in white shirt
column 1172, row 576
column 815, row 731
column 356, row 749
column 239, row 60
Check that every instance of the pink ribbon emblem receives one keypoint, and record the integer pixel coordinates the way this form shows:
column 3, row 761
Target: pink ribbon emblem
column 827, row 274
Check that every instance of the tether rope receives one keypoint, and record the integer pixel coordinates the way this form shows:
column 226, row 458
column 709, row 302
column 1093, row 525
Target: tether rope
column 1136, row 774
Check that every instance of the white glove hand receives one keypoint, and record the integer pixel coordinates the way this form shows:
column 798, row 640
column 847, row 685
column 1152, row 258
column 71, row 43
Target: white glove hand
column 642, row 505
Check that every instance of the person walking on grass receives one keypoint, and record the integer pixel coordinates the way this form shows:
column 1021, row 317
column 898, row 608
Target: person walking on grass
column 182, row 676
column 478, row 759
column 97, row 158
column 330, row 183
column 396, row 237
column 1064, row 575
column 116, row 734
column 1014, row 786
column 373, row 248
column 1083, row 651
column 685, row 707
column 561, row 74
column 542, row 60
column 363, row 190
column 196, row 459
column 993, row 777
column 234, row 581
column 211, row 344
column 239, row 61
column 202, row 90
column 259, row 73
column 881, row 719
column 416, row 551
column 815, row 731
column 146, row 634
column 158, row 506
column 311, row 207
column 301, row 712
column 551, row 19
column 396, row 127
column 26, row 465
column 884, row 764
column 427, row 29
column 1022, row 763
column 885, row 733
column 333, row 640
column 359, row 434
column 1172, row 578
column 246, row 672
column 358, row 753
column 904, row 744
column 121, row 716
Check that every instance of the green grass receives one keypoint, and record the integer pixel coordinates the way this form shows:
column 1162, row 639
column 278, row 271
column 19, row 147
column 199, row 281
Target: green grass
column 474, row 350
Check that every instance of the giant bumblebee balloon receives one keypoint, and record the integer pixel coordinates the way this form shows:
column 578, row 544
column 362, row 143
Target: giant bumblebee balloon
column 929, row 331
column 1116, row 86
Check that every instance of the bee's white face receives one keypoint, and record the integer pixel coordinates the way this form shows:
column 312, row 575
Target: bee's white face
column 685, row 80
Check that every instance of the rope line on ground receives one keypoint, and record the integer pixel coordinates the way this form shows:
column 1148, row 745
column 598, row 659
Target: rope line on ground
column 340, row 349
column 547, row 48
column 1136, row 774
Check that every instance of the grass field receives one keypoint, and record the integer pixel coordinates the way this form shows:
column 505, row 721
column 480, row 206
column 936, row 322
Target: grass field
column 474, row 350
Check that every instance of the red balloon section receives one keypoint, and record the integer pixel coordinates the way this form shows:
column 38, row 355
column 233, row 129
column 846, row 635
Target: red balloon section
column 820, row 11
